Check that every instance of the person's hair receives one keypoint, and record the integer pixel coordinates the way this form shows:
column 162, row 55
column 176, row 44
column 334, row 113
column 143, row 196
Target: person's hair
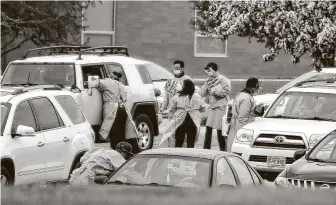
column 252, row 83
column 213, row 65
column 117, row 74
column 188, row 88
column 179, row 62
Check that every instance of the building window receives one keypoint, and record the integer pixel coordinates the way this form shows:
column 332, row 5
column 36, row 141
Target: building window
column 209, row 46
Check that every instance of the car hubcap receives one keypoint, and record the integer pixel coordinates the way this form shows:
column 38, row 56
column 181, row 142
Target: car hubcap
column 4, row 180
column 143, row 140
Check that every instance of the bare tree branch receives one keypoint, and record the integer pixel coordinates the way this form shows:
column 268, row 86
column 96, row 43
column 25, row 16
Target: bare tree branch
column 16, row 47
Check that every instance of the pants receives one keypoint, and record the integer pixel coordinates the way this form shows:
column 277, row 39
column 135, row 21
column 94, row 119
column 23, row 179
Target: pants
column 118, row 130
column 186, row 128
column 208, row 136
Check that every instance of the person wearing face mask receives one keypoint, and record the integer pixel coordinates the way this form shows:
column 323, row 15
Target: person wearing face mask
column 217, row 89
column 244, row 109
column 173, row 86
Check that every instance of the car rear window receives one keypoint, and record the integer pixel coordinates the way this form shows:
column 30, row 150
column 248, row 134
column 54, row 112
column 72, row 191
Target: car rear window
column 71, row 108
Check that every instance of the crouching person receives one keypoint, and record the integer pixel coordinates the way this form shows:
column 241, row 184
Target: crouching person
column 185, row 112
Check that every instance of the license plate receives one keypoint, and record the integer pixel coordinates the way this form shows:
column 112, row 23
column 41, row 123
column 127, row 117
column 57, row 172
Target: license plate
column 276, row 161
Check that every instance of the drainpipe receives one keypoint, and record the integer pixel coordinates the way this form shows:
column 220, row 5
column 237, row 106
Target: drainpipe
column 114, row 21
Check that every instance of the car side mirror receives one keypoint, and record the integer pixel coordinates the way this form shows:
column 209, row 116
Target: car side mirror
column 100, row 179
column 157, row 92
column 299, row 154
column 24, row 131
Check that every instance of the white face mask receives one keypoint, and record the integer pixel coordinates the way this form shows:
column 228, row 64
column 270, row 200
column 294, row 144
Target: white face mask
column 177, row 72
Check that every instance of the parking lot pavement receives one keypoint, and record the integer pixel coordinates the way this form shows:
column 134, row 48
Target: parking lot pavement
column 199, row 143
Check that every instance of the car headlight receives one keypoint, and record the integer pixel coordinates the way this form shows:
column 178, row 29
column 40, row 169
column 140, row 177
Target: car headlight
column 314, row 139
column 282, row 182
column 244, row 136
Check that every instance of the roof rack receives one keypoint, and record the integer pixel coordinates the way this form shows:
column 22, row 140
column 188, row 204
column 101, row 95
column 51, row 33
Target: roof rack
column 330, row 80
column 105, row 50
column 36, row 87
column 58, row 49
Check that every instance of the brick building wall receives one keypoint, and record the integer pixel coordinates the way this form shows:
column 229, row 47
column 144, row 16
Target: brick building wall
column 160, row 32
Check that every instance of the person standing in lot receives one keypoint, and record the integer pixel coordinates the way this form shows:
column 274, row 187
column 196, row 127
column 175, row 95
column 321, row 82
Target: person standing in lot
column 217, row 89
column 173, row 86
column 243, row 109
column 186, row 111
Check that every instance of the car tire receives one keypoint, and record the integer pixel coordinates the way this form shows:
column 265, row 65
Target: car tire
column 145, row 127
column 6, row 178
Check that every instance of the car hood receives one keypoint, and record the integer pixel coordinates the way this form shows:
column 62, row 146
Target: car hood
column 266, row 99
column 308, row 127
column 314, row 171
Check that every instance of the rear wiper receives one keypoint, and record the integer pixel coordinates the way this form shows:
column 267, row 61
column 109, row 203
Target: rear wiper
column 282, row 116
column 118, row 182
column 316, row 160
column 319, row 119
column 162, row 79
column 157, row 184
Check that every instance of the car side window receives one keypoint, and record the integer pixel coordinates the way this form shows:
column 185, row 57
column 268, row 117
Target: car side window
column 145, row 77
column 224, row 174
column 46, row 114
column 92, row 70
column 116, row 67
column 242, row 171
column 24, row 116
column 71, row 108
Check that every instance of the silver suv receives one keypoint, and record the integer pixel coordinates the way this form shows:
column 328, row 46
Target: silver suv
column 70, row 67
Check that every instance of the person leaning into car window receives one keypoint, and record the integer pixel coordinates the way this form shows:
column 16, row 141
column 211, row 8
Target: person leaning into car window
column 115, row 115
column 243, row 109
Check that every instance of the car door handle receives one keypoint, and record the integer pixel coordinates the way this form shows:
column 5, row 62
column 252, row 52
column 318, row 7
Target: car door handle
column 65, row 139
column 40, row 144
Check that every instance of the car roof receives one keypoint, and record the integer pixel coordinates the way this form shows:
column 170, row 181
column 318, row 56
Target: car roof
column 86, row 59
column 315, row 87
column 31, row 94
column 186, row 152
column 328, row 70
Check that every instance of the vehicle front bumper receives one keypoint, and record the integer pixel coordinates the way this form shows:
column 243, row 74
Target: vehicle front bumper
column 257, row 157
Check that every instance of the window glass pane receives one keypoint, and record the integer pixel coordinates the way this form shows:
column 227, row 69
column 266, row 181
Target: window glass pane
column 117, row 68
column 158, row 73
column 71, row 108
column 242, row 171
column 209, row 45
column 146, row 79
column 45, row 113
column 40, row 74
column 24, row 116
column 224, row 173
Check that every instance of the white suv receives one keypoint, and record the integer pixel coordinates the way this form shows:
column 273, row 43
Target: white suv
column 43, row 134
column 296, row 120
column 70, row 66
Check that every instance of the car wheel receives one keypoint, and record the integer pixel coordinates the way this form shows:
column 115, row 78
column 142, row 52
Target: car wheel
column 6, row 178
column 146, row 131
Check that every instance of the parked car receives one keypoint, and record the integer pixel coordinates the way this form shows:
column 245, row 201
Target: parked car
column 183, row 167
column 324, row 74
column 43, row 134
column 297, row 119
column 313, row 170
column 70, row 66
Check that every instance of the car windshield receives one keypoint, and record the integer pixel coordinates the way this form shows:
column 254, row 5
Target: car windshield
column 158, row 73
column 307, row 106
column 4, row 115
column 39, row 74
column 325, row 151
column 313, row 75
column 164, row 171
